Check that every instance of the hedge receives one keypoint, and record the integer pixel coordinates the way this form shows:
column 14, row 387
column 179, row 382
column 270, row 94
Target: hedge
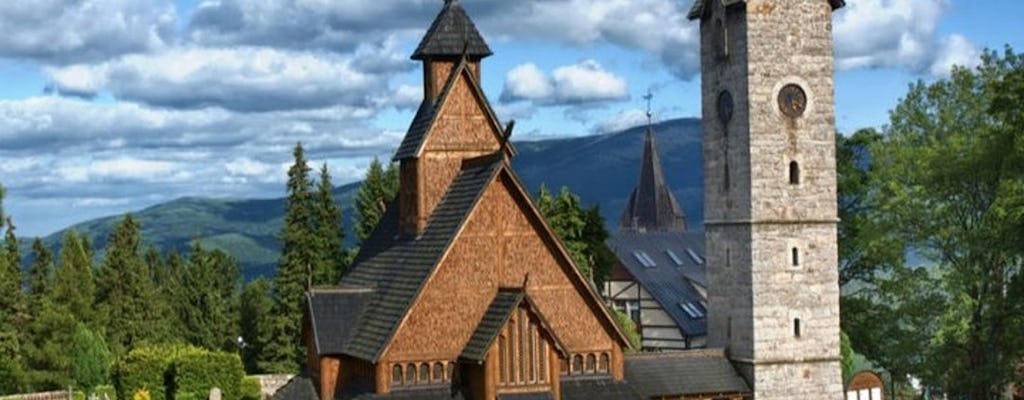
column 198, row 373
column 251, row 388
column 106, row 390
column 176, row 372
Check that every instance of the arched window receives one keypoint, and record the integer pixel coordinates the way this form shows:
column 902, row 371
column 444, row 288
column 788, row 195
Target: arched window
column 796, row 327
column 796, row 257
column 424, row 373
column 591, row 363
column 396, row 374
column 726, row 183
column 438, row 372
column 451, row 371
column 794, row 173
column 410, row 374
column 577, row 364
column 721, row 40
column 502, row 359
column 605, row 362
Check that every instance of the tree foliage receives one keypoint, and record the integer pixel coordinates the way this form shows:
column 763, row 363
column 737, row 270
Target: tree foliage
column 377, row 191
column 255, row 316
column 331, row 258
column 126, row 295
column 12, row 306
column 207, row 300
column 581, row 230
column 282, row 352
column 90, row 358
column 946, row 179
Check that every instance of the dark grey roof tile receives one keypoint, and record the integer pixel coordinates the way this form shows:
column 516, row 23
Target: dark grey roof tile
column 490, row 325
column 690, row 372
column 298, row 388
column 333, row 316
column 603, row 388
column 396, row 267
column 451, row 35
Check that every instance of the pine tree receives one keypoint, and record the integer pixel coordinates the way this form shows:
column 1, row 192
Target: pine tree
column 255, row 313
column 127, row 294
column 283, row 353
column 11, row 310
column 40, row 274
column 73, row 285
column 330, row 236
column 378, row 190
column 207, row 302
column 90, row 358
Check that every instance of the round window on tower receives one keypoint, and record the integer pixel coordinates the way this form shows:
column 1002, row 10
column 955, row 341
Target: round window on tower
column 792, row 100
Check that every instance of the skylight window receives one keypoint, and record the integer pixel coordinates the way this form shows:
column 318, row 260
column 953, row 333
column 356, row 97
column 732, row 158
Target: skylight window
column 692, row 310
column 693, row 256
column 644, row 259
column 674, row 257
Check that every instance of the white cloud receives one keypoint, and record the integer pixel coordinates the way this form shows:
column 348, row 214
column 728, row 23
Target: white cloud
column 242, row 79
column 899, row 34
column 61, row 31
column 622, row 121
column 579, row 84
column 120, row 168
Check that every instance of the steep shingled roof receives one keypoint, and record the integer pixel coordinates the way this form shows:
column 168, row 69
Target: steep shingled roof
column 451, row 35
column 668, row 282
column 498, row 313
column 332, row 314
column 398, row 267
column 692, row 372
column 697, row 10
column 651, row 206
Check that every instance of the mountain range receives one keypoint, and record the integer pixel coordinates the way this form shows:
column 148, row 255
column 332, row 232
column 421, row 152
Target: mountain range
column 601, row 169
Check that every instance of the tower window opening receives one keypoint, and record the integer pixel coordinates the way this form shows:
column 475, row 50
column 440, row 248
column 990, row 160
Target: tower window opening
column 796, row 327
column 794, row 173
column 726, row 184
column 796, row 257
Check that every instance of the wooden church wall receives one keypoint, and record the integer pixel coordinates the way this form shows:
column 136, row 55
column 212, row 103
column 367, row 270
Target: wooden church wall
column 497, row 248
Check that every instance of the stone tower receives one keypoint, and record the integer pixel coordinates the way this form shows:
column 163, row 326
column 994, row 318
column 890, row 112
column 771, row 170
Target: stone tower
column 770, row 197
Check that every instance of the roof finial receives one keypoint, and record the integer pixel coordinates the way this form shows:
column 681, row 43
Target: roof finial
column 650, row 115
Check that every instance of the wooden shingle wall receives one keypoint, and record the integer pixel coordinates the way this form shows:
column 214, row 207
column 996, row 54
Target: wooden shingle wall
column 498, row 247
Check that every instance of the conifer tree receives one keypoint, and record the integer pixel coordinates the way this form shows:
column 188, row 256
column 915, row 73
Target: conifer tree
column 207, row 302
column 40, row 274
column 330, row 235
column 378, row 190
column 127, row 295
column 73, row 284
column 11, row 310
column 255, row 314
column 283, row 352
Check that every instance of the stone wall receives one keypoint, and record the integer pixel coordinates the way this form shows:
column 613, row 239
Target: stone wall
column 773, row 294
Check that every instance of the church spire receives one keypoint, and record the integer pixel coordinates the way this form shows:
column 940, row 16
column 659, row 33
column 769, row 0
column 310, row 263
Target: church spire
column 452, row 35
column 651, row 206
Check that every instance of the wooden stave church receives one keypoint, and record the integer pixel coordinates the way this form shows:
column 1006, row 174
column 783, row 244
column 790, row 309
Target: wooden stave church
column 462, row 263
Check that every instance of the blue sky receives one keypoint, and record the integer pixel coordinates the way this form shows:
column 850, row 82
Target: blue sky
column 108, row 106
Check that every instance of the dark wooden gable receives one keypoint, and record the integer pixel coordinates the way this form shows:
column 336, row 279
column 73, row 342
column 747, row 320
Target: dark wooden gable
column 458, row 289
column 461, row 87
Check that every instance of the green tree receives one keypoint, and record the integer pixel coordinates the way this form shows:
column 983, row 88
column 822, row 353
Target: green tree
column 283, row 352
column 581, row 230
column 12, row 309
column 330, row 236
column 951, row 183
column 90, row 359
column 74, row 286
column 255, row 312
column 207, row 304
column 126, row 294
column 40, row 274
column 377, row 191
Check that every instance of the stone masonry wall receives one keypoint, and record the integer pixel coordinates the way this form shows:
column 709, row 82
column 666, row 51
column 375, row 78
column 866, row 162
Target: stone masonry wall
column 757, row 290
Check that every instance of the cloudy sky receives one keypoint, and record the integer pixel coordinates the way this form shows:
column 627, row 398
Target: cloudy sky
column 113, row 105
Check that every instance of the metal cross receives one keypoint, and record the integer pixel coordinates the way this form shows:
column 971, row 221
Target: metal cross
column 649, row 97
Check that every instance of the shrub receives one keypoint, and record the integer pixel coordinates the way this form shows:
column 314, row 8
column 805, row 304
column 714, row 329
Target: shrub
column 149, row 368
column 629, row 329
column 107, row 390
column 78, row 395
column 141, row 394
column 90, row 358
column 251, row 389
column 197, row 373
